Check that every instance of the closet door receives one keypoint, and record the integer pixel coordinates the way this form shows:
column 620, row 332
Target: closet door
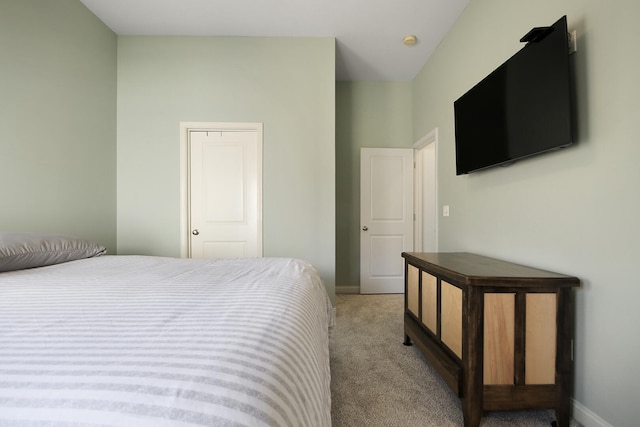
column 224, row 194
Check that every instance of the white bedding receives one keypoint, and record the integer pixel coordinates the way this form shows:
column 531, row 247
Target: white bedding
column 151, row 341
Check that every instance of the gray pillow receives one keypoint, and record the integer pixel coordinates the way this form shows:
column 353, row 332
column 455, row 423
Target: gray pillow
column 28, row 250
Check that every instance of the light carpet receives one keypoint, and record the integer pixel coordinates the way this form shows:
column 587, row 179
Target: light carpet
column 378, row 381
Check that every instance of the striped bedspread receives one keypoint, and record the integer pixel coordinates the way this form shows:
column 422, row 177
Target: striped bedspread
column 152, row 341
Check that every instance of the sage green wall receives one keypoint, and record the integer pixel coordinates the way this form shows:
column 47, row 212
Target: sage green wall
column 369, row 114
column 574, row 211
column 57, row 120
column 286, row 83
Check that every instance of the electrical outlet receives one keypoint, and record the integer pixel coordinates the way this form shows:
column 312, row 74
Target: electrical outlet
column 445, row 210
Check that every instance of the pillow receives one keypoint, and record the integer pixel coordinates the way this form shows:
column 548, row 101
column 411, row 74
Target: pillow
column 28, row 250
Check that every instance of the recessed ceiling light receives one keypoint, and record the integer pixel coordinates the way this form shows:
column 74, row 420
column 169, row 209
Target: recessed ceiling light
column 409, row 40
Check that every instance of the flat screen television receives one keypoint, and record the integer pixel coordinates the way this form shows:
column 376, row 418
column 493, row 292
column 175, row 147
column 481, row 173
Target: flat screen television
column 521, row 109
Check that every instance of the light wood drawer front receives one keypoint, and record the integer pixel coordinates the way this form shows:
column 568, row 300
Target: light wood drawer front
column 430, row 302
column 540, row 344
column 499, row 338
column 413, row 302
column 451, row 317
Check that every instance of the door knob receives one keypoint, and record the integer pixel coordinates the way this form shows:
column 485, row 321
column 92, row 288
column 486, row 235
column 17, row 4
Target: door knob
column 365, row 228
column 195, row 232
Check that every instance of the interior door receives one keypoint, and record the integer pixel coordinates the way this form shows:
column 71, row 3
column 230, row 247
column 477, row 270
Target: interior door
column 386, row 217
column 225, row 194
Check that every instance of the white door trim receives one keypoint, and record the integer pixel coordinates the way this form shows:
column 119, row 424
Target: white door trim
column 185, row 128
column 429, row 138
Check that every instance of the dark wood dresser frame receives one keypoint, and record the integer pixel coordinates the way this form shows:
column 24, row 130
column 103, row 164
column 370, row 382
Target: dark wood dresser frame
column 500, row 334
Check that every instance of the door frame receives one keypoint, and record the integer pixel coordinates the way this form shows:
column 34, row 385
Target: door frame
column 185, row 128
column 418, row 197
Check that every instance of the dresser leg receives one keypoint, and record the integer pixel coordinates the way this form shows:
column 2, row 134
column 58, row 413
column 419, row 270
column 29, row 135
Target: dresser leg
column 473, row 345
column 471, row 412
column 407, row 340
column 563, row 416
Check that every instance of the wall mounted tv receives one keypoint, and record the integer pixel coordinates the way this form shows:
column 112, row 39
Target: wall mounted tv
column 522, row 108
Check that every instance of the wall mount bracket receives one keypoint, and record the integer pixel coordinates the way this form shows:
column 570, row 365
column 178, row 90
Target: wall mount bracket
column 536, row 34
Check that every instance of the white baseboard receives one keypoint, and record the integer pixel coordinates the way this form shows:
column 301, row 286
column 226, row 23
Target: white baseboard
column 347, row 289
column 586, row 417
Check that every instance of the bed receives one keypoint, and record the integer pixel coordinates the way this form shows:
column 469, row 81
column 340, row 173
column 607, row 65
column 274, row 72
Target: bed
column 109, row 340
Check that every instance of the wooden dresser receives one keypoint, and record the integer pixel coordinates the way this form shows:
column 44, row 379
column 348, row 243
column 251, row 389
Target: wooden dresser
column 500, row 334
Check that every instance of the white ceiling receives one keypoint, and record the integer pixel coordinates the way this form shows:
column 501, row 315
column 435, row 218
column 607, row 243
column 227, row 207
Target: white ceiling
column 368, row 32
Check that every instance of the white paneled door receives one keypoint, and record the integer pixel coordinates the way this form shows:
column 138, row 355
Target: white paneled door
column 225, row 194
column 386, row 217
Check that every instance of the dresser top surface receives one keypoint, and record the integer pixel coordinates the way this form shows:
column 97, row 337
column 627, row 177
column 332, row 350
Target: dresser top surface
column 479, row 270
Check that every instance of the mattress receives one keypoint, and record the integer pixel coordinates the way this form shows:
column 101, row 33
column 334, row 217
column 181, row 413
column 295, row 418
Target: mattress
column 153, row 341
